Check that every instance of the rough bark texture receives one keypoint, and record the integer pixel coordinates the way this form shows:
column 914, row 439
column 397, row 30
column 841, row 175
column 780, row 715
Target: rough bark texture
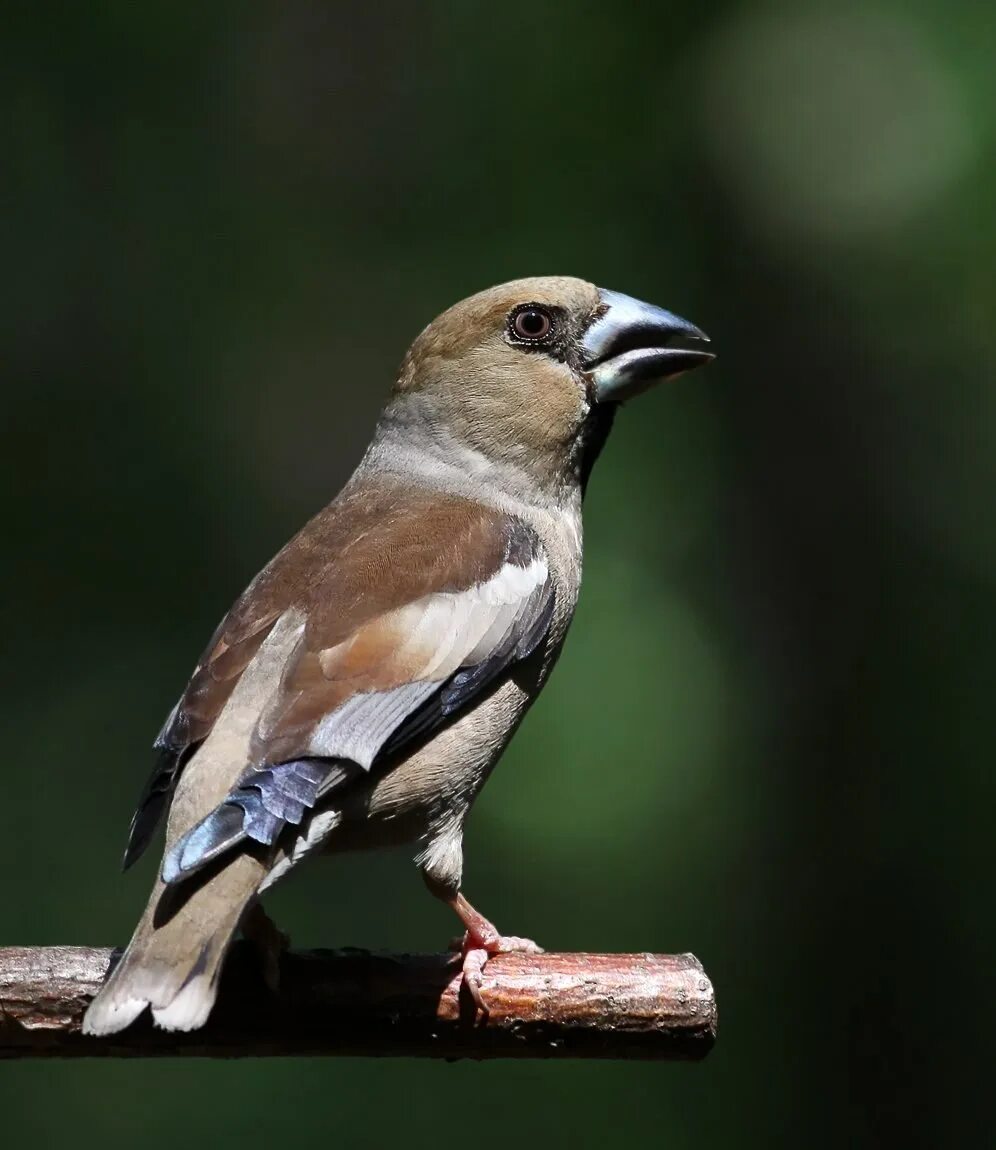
column 646, row 1006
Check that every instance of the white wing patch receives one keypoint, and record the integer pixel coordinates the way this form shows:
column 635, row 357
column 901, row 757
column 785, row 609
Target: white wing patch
column 360, row 727
column 443, row 632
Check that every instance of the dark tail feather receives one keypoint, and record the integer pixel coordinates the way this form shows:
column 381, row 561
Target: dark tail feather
column 155, row 797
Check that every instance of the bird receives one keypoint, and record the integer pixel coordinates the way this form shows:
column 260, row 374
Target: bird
column 362, row 688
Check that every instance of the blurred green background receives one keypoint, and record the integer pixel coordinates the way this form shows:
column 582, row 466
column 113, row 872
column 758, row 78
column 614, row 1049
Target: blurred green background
column 770, row 740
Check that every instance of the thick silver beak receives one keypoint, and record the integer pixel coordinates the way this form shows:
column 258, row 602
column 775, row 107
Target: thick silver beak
column 633, row 345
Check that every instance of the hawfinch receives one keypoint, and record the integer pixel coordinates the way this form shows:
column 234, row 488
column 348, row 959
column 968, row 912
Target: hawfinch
column 362, row 688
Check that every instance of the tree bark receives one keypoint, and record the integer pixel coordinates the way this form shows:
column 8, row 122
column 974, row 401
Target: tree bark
column 352, row 1002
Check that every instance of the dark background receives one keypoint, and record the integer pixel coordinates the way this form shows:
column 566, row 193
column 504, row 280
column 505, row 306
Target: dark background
column 770, row 739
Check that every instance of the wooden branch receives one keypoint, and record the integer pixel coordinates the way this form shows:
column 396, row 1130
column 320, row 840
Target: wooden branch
column 645, row 1006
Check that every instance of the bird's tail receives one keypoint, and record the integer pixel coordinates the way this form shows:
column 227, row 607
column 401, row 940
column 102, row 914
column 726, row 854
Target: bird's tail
column 174, row 959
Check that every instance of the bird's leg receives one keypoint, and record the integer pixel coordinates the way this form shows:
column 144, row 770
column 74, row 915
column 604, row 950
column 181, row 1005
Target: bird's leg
column 268, row 941
column 480, row 941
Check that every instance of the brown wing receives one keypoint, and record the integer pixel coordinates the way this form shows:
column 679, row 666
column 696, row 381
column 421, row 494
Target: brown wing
column 377, row 577
column 342, row 704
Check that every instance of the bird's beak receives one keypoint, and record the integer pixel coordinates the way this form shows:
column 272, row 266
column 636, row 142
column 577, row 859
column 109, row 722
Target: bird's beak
column 632, row 345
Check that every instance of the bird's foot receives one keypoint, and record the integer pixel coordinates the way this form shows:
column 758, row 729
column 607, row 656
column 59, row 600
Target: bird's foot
column 269, row 942
column 480, row 942
column 475, row 956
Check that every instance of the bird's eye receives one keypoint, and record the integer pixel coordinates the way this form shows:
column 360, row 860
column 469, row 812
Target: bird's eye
column 531, row 324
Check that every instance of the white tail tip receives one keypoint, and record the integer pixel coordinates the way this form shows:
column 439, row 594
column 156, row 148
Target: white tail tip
column 105, row 1016
column 189, row 1010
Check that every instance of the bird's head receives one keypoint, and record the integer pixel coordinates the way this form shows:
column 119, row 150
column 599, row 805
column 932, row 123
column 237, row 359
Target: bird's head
column 527, row 375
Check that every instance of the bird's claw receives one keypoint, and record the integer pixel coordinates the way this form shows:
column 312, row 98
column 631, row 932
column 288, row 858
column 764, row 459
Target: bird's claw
column 476, row 951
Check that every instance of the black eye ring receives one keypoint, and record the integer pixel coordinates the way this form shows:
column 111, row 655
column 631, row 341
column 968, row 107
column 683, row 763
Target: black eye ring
column 530, row 324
